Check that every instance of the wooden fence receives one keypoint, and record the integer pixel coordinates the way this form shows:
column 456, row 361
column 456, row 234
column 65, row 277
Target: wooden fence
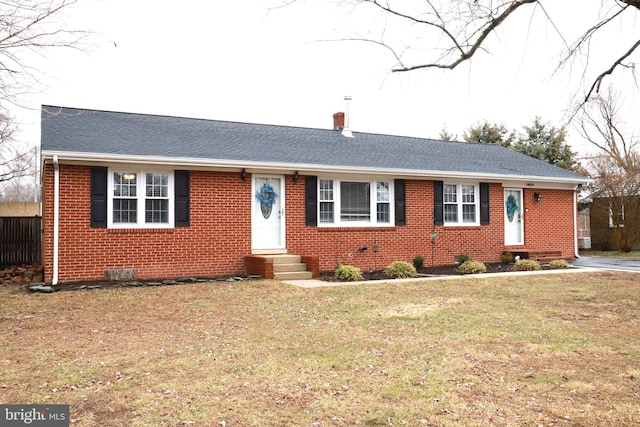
column 20, row 240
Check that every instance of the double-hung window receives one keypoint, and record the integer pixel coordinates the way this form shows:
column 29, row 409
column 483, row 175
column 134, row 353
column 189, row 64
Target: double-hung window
column 326, row 201
column 461, row 204
column 354, row 203
column 140, row 199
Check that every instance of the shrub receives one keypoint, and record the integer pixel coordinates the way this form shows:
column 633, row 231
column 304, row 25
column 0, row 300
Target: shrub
column 507, row 258
column 559, row 263
column 418, row 262
column 526, row 265
column 472, row 267
column 400, row 269
column 348, row 273
column 463, row 257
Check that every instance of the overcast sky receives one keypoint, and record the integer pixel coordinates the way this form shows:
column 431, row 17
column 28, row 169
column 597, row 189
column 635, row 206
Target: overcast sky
column 240, row 61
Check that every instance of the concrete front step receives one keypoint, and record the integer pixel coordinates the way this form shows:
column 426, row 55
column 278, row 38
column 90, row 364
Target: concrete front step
column 538, row 255
column 292, row 275
column 289, row 267
column 284, row 268
column 282, row 259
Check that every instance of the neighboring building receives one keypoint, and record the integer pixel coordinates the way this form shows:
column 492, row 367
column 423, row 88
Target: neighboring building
column 14, row 209
column 172, row 197
column 604, row 222
column 584, row 228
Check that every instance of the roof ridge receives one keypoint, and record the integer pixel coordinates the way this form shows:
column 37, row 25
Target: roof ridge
column 93, row 110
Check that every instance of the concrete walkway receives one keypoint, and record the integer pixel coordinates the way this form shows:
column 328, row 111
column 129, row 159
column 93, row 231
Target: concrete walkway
column 321, row 283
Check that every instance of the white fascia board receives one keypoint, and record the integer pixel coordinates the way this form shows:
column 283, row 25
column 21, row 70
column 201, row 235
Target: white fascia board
column 253, row 166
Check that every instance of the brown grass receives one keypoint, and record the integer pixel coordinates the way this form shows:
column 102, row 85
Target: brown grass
column 527, row 350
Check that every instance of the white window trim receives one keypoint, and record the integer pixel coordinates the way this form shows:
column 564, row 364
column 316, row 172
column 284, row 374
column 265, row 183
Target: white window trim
column 141, row 197
column 476, row 193
column 373, row 203
column 611, row 224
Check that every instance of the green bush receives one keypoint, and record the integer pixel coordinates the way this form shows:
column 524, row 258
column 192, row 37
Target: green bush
column 418, row 262
column 507, row 258
column 348, row 273
column 472, row 267
column 526, row 265
column 463, row 257
column 559, row 263
column 400, row 269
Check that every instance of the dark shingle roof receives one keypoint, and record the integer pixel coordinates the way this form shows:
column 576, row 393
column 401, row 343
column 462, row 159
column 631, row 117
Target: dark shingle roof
column 70, row 130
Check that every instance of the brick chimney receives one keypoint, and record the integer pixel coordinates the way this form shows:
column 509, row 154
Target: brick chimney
column 338, row 121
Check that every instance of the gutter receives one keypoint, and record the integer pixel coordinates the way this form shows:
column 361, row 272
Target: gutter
column 306, row 168
column 56, row 217
column 575, row 224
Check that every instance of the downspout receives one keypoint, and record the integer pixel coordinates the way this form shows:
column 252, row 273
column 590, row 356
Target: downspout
column 575, row 223
column 56, row 217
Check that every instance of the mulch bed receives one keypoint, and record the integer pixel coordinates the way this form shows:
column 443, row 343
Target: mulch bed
column 447, row 270
column 327, row 276
column 104, row 284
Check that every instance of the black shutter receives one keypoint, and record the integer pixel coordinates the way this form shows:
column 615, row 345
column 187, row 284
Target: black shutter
column 438, row 204
column 401, row 201
column 311, row 200
column 98, row 197
column 484, row 203
column 182, row 198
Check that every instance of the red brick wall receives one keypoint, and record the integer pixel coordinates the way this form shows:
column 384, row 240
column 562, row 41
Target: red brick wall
column 220, row 233
column 548, row 226
column 215, row 243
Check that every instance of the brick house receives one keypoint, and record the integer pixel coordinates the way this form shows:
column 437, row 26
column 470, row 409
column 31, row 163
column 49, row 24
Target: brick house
column 172, row 197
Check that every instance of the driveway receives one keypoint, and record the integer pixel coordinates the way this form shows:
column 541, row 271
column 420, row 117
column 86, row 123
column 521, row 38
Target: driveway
column 627, row 264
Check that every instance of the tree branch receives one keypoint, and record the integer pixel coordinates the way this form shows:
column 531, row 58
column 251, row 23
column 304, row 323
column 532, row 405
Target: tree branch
column 466, row 50
column 598, row 81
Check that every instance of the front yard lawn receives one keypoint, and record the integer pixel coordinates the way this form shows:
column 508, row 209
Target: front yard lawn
column 528, row 350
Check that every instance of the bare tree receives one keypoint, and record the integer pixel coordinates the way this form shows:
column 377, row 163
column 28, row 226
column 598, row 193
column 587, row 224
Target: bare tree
column 29, row 26
column 25, row 26
column 615, row 196
column 615, row 169
column 602, row 126
column 19, row 190
column 447, row 33
column 14, row 163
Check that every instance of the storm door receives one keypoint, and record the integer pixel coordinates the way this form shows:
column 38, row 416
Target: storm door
column 513, row 217
column 268, row 224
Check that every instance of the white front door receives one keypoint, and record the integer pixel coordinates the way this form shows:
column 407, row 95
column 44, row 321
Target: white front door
column 513, row 217
column 267, row 207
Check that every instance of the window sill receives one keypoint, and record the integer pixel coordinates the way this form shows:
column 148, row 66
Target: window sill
column 342, row 228
column 140, row 230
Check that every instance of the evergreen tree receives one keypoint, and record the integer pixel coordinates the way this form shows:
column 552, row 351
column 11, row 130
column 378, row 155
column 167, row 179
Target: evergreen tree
column 540, row 140
column 547, row 143
column 446, row 136
column 490, row 133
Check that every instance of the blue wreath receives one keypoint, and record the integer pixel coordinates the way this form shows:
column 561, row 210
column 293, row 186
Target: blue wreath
column 267, row 195
column 512, row 207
